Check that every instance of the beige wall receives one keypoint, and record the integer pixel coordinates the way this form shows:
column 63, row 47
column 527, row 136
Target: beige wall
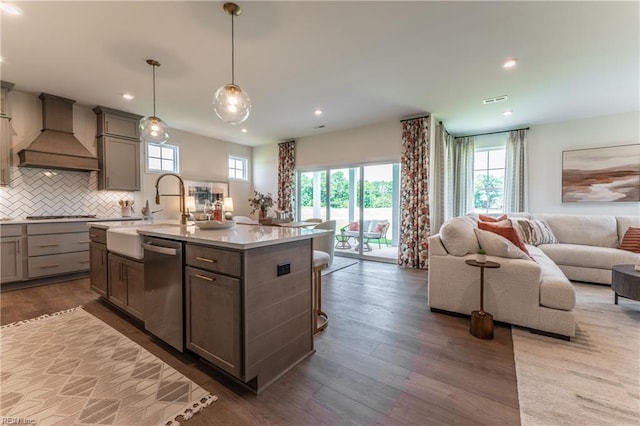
column 546, row 143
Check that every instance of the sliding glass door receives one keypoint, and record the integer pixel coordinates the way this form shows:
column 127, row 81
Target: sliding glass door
column 363, row 200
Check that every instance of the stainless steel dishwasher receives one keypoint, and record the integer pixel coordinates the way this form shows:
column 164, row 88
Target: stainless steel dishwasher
column 163, row 290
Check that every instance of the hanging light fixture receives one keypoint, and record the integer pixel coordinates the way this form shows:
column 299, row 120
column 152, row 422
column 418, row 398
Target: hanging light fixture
column 230, row 102
column 153, row 129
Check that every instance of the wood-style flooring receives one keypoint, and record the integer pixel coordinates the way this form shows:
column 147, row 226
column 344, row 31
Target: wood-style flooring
column 384, row 359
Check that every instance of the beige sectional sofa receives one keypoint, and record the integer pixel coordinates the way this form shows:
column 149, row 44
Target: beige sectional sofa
column 531, row 291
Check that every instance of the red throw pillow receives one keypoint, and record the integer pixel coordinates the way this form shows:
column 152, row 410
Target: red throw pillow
column 354, row 226
column 485, row 218
column 507, row 232
column 631, row 240
column 379, row 227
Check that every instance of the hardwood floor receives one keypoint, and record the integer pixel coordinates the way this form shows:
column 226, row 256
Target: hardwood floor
column 384, row 358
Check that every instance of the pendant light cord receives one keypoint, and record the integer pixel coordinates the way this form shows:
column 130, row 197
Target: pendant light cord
column 154, row 90
column 232, row 54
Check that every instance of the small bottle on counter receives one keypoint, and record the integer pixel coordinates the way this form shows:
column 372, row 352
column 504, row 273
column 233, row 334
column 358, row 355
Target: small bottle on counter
column 218, row 208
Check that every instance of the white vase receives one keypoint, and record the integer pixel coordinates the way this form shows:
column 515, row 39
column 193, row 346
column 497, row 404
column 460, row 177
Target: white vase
column 481, row 258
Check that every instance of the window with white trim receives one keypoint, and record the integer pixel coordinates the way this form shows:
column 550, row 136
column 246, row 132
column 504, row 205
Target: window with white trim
column 162, row 158
column 488, row 172
column 238, row 168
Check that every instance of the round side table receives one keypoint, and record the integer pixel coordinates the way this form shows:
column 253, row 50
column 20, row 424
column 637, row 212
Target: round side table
column 481, row 321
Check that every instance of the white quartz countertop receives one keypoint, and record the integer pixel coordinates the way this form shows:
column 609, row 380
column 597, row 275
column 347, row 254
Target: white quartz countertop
column 241, row 236
column 105, row 220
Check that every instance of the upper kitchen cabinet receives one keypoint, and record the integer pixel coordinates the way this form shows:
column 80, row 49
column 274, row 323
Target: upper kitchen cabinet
column 118, row 150
column 5, row 133
column 118, row 123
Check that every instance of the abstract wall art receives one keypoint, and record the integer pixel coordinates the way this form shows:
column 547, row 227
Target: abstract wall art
column 609, row 174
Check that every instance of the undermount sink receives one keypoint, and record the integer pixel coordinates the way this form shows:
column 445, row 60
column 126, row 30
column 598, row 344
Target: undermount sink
column 126, row 240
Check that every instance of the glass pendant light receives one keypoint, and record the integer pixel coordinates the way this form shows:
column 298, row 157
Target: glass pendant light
column 230, row 102
column 153, row 129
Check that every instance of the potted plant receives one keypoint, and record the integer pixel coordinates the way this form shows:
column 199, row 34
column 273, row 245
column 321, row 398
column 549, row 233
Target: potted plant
column 481, row 256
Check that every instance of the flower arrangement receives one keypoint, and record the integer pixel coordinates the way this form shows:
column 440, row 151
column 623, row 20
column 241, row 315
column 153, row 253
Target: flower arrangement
column 261, row 202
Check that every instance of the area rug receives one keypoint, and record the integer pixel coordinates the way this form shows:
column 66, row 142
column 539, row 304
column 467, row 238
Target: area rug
column 339, row 263
column 70, row 368
column 592, row 380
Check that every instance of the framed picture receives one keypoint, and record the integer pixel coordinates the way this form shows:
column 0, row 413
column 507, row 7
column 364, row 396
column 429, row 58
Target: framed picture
column 197, row 192
column 610, row 174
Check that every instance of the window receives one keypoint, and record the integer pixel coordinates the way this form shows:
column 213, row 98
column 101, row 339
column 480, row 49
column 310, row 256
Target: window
column 238, row 168
column 162, row 158
column 488, row 165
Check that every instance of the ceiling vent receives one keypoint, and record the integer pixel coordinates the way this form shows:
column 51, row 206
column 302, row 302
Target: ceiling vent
column 494, row 100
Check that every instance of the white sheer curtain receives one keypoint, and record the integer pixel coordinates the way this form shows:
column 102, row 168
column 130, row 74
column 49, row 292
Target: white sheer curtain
column 438, row 198
column 459, row 176
column 515, row 172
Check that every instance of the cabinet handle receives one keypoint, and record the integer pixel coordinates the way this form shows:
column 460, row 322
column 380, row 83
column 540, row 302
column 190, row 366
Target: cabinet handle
column 84, row 261
column 205, row 278
column 84, row 242
column 107, row 181
column 48, row 245
column 106, row 125
column 93, row 235
column 54, row 265
column 204, row 259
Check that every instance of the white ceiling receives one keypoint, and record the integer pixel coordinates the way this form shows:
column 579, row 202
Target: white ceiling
column 361, row 62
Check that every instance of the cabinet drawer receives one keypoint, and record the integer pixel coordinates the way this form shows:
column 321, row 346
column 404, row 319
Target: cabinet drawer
column 56, row 228
column 216, row 260
column 10, row 230
column 39, row 245
column 98, row 235
column 58, row 264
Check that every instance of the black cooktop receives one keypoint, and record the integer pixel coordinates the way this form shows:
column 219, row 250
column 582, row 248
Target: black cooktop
column 77, row 216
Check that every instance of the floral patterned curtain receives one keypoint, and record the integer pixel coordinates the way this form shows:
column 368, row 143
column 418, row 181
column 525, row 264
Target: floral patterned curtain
column 286, row 175
column 414, row 194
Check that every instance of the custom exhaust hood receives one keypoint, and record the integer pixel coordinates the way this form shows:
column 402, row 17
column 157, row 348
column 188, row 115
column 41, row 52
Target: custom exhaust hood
column 57, row 147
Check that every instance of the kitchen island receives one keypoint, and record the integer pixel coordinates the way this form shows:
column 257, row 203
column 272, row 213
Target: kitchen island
column 240, row 298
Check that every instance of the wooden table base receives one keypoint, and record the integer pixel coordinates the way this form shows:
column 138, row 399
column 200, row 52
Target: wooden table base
column 481, row 325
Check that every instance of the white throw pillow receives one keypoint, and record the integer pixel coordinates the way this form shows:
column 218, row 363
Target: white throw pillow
column 497, row 245
column 458, row 237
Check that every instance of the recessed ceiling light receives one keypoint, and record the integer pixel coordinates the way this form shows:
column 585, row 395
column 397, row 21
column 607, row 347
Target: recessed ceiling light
column 10, row 9
column 510, row 63
column 318, row 111
column 243, row 130
column 507, row 112
column 127, row 96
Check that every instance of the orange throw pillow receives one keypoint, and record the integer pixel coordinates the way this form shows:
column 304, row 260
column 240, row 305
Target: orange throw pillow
column 507, row 232
column 631, row 240
column 485, row 218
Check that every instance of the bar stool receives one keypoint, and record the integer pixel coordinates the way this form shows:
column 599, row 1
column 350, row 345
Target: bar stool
column 320, row 319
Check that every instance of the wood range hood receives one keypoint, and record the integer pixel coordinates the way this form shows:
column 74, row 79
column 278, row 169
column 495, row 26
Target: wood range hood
column 56, row 147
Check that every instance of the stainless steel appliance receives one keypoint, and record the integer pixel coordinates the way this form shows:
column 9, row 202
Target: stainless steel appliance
column 163, row 290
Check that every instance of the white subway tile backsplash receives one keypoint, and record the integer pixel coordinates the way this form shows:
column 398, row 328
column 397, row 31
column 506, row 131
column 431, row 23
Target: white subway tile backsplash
column 38, row 192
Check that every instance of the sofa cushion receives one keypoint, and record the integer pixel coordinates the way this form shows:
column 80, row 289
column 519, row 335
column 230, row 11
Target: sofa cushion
column 596, row 230
column 588, row 256
column 487, row 218
column 534, row 232
column 507, row 232
column 631, row 240
column 354, row 226
column 556, row 291
column 497, row 245
column 458, row 237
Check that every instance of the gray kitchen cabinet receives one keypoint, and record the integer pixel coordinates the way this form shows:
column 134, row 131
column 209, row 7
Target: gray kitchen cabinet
column 126, row 284
column 11, row 253
column 213, row 313
column 57, row 248
column 119, row 163
column 98, row 269
column 5, row 133
column 118, row 149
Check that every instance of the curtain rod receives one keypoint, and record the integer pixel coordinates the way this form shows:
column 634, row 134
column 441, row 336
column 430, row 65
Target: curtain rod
column 492, row 133
column 413, row 118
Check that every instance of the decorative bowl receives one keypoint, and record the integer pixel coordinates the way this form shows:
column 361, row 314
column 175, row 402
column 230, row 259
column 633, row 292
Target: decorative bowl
column 214, row 224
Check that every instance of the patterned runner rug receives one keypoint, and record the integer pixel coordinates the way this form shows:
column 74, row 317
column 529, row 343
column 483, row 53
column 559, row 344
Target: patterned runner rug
column 71, row 368
column 592, row 380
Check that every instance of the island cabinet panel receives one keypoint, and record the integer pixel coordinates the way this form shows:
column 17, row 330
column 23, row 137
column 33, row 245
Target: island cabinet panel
column 213, row 259
column 278, row 315
column 126, row 284
column 98, row 268
column 214, row 318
